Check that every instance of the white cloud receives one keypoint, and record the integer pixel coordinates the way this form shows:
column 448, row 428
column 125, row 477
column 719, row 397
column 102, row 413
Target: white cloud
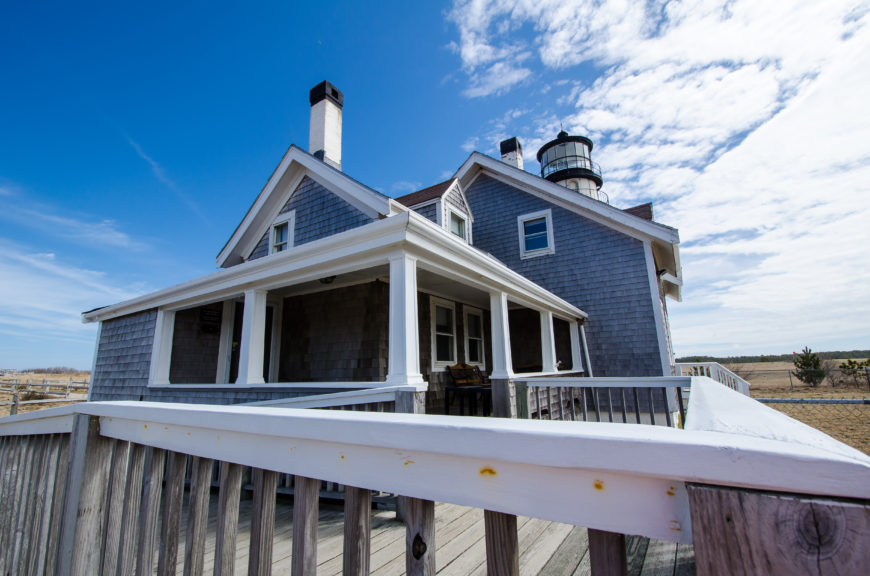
column 404, row 187
column 82, row 230
column 743, row 120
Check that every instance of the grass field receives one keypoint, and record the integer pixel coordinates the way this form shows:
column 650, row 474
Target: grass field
column 58, row 381
column 849, row 423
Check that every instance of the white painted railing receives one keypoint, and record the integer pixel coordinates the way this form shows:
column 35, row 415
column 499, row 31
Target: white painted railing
column 715, row 371
column 371, row 399
column 618, row 478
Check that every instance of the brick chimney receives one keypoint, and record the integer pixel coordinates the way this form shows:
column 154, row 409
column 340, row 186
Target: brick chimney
column 324, row 136
column 512, row 152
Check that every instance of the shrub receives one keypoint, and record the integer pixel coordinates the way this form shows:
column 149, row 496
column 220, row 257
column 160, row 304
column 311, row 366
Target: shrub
column 808, row 367
column 854, row 371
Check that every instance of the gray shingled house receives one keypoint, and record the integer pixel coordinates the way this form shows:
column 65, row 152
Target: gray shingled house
column 327, row 285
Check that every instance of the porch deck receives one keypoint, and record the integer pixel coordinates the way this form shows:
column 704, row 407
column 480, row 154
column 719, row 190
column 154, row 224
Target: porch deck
column 545, row 547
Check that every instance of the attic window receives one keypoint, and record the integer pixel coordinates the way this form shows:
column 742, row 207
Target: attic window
column 282, row 233
column 457, row 225
column 536, row 234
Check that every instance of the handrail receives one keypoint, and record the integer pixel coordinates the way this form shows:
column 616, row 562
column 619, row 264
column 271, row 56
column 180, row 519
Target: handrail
column 337, row 399
column 621, row 477
column 715, row 371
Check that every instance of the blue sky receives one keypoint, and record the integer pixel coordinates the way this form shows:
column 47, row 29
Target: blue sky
column 134, row 138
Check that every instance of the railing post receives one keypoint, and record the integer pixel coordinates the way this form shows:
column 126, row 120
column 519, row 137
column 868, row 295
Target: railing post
column 607, row 555
column 306, row 492
column 408, row 402
column 357, row 531
column 747, row 532
column 263, row 523
column 502, row 549
column 419, row 537
column 87, row 485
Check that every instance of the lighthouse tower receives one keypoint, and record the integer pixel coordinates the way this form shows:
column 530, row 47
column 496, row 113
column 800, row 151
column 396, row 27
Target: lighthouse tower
column 567, row 160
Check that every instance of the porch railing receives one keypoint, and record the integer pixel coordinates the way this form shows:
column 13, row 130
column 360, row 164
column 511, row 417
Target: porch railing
column 83, row 486
column 715, row 371
column 626, row 400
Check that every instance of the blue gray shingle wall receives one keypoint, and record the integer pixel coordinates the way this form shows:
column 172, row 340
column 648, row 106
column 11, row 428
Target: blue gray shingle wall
column 429, row 211
column 601, row 271
column 124, row 361
column 319, row 213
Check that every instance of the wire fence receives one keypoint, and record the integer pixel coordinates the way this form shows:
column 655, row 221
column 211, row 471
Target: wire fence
column 846, row 419
column 858, row 380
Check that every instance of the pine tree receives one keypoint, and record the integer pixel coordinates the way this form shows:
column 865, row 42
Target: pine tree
column 808, row 367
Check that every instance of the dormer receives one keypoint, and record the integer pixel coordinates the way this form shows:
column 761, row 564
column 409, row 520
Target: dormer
column 444, row 204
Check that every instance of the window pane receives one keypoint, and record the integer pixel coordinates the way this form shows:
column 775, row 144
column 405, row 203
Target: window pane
column 535, row 226
column 537, row 242
column 443, row 320
column 443, row 348
column 281, row 233
column 457, row 225
column 473, row 325
column 474, row 351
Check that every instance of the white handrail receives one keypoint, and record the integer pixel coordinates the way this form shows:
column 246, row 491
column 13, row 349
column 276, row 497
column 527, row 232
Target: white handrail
column 622, row 478
column 715, row 371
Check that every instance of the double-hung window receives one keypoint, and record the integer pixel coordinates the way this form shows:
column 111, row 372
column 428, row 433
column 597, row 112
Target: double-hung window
column 443, row 333
column 457, row 225
column 281, row 235
column 536, row 234
column 474, row 337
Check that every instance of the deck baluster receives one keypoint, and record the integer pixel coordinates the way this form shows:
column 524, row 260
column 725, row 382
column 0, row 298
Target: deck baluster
column 227, row 518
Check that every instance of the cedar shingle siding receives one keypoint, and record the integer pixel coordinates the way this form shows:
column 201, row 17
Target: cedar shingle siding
column 429, row 211
column 319, row 213
column 599, row 270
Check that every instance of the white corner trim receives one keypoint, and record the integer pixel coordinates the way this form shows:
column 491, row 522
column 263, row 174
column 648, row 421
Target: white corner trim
column 551, row 243
column 657, row 311
column 161, row 348
column 94, row 361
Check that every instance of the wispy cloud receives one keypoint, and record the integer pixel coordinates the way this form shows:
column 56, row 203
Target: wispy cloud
column 743, row 121
column 41, row 300
column 81, row 229
column 405, row 187
column 160, row 174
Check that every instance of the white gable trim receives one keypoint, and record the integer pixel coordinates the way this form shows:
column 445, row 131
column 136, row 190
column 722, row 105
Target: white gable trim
column 594, row 209
column 296, row 164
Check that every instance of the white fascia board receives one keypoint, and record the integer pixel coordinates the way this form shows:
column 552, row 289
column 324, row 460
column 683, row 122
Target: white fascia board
column 352, row 248
column 264, row 207
column 355, row 249
column 477, row 268
column 585, row 206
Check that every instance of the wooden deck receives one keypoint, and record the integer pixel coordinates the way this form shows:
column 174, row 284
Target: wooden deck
column 545, row 547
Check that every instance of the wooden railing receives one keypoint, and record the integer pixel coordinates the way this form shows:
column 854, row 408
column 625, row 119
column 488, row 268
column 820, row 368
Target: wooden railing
column 715, row 371
column 800, row 499
column 635, row 400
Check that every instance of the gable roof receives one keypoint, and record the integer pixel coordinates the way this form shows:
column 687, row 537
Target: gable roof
column 664, row 239
column 295, row 165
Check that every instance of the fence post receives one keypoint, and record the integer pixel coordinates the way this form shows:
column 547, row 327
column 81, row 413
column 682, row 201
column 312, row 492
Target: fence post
column 777, row 533
column 867, row 373
column 13, row 410
column 790, row 381
column 87, row 486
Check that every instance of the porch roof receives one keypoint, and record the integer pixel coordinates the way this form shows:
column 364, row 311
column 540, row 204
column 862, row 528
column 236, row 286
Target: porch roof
column 357, row 249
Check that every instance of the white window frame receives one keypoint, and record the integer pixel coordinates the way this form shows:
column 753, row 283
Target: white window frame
column 469, row 311
column 288, row 218
column 440, row 366
column 551, row 246
column 450, row 213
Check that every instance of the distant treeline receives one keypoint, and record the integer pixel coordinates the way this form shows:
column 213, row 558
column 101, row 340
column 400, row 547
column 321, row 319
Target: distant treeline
column 53, row 370
column 836, row 354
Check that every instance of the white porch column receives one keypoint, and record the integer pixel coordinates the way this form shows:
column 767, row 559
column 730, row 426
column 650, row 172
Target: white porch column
column 586, row 352
column 404, row 336
column 502, row 364
column 226, row 343
column 576, row 358
column 161, row 349
column 548, row 343
column 253, row 338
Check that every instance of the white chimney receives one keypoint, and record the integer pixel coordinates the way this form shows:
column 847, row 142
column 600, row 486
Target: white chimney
column 512, row 152
column 324, row 137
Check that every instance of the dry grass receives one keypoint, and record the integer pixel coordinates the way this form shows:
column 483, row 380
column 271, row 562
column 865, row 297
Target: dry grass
column 36, row 379
column 848, row 423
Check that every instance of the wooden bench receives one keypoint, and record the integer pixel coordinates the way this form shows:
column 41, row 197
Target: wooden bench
column 468, row 382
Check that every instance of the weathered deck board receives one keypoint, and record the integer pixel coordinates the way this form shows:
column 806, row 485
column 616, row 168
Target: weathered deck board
column 546, row 548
